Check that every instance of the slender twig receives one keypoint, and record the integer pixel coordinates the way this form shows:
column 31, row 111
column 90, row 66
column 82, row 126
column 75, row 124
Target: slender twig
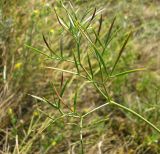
column 95, row 109
column 66, row 71
column 136, row 114
column 61, row 98
column 81, row 135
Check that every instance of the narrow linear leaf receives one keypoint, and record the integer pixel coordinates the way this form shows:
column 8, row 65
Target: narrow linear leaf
column 62, row 91
column 60, row 98
column 53, row 105
column 47, row 115
column 61, row 47
column 136, row 114
column 66, row 71
column 98, row 39
column 49, row 57
column 64, row 87
column 128, row 72
column 86, row 35
column 109, row 31
column 114, row 33
column 108, row 36
column 101, row 60
column 78, row 51
column 90, row 65
column 67, row 11
column 38, row 98
column 53, row 92
column 85, row 14
column 120, row 53
column 95, row 49
column 72, row 25
column 97, row 122
column 100, row 68
column 76, row 64
column 38, row 51
column 45, row 41
column 73, row 11
column 75, row 103
column 72, row 17
column 97, row 12
column 61, row 22
column 92, row 17
column 62, row 80
column 43, row 100
column 99, row 28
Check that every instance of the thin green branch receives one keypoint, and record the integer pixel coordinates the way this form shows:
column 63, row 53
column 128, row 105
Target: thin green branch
column 95, row 109
column 66, row 71
column 81, row 135
column 136, row 114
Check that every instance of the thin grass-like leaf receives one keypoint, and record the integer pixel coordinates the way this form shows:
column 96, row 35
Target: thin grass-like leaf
column 62, row 91
column 98, row 39
column 127, row 72
column 100, row 27
column 49, row 57
column 95, row 123
column 85, row 14
column 78, row 51
column 72, row 17
column 66, row 71
column 75, row 103
column 90, row 65
column 62, row 80
column 101, row 60
column 92, row 17
column 44, row 100
column 38, row 51
column 38, row 98
column 61, row 22
column 76, row 64
column 73, row 11
column 53, row 105
column 84, row 32
column 100, row 68
column 136, row 114
column 60, row 98
column 97, row 12
column 64, row 87
column 120, row 53
column 61, row 47
column 72, row 25
column 109, row 34
column 86, row 35
column 45, row 41
column 95, row 49
column 109, row 31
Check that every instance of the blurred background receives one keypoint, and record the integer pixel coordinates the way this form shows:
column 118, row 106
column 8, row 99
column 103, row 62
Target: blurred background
column 23, row 72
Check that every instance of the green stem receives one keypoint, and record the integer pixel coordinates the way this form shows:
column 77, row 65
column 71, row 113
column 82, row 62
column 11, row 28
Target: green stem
column 95, row 109
column 81, row 135
column 61, row 112
column 127, row 109
column 136, row 114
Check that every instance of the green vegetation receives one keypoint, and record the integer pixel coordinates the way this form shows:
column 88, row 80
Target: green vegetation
column 76, row 78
